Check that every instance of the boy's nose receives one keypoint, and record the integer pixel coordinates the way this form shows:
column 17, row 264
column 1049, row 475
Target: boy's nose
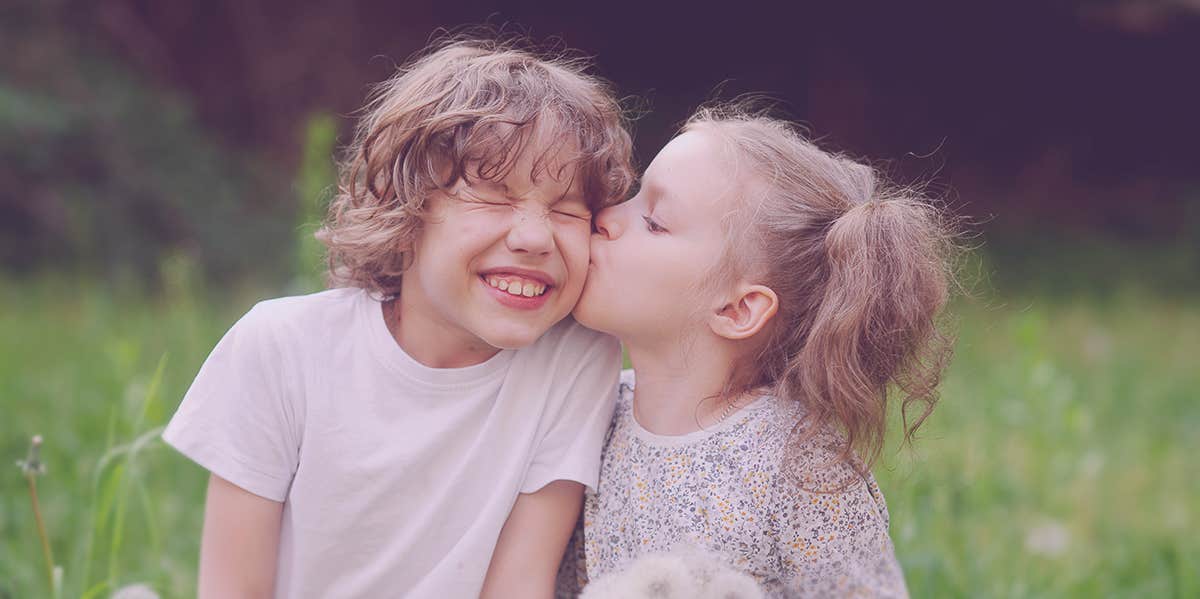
column 530, row 234
column 608, row 224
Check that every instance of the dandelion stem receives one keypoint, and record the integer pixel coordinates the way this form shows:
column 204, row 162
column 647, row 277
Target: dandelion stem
column 32, row 467
column 41, row 525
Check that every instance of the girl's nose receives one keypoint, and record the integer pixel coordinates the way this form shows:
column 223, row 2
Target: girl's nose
column 608, row 223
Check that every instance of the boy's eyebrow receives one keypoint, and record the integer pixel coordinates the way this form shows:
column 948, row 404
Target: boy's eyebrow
column 497, row 185
column 571, row 195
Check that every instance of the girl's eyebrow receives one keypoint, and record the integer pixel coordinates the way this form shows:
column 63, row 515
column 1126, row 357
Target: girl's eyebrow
column 654, row 194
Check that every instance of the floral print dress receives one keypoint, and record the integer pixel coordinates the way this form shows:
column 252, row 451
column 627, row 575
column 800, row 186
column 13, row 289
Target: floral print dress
column 818, row 529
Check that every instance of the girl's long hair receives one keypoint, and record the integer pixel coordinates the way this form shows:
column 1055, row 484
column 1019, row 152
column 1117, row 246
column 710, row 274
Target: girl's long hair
column 861, row 270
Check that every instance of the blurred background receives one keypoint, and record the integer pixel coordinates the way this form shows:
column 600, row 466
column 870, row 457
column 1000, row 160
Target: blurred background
column 163, row 165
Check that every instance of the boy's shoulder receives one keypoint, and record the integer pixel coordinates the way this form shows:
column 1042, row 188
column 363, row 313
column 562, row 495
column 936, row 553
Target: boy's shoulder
column 296, row 305
column 315, row 312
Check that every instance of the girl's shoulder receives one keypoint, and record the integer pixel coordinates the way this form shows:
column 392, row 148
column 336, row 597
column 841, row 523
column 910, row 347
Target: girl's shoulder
column 627, row 378
column 814, row 474
column 802, row 461
column 625, row 386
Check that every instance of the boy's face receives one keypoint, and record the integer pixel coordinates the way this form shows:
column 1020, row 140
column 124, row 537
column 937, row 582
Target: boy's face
column 500, row 262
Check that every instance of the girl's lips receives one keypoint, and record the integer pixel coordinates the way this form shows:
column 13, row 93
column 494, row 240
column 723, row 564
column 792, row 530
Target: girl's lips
column 519, row 302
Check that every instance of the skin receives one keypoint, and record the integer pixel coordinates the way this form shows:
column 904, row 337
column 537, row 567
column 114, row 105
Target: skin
column 532, row 542
column 449, row 317
column 239, row 545
column 648, row 285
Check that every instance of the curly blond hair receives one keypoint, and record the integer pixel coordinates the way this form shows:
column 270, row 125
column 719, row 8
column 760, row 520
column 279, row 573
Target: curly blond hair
column 466, row 104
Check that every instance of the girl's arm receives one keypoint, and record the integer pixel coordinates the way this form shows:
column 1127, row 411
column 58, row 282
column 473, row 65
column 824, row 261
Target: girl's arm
column 240, row 544
column 834, row 542
column 532, row 542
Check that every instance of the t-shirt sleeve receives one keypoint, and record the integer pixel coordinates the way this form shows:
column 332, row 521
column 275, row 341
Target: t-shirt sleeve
column 238, row 420
column 835, row 544
column 570, row 449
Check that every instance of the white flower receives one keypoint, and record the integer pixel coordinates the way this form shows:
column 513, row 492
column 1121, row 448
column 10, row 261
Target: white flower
column 135, row 591
column 1091, row 464
column 1049, row 538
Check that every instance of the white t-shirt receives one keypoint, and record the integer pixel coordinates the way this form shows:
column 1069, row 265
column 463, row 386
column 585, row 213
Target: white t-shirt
column 396, row 478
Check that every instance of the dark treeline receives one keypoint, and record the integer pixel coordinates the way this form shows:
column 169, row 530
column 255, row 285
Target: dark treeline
column 1070, row 115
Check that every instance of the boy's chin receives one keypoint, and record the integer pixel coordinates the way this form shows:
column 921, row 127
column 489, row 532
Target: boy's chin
column 513, row 335
column 512, row 340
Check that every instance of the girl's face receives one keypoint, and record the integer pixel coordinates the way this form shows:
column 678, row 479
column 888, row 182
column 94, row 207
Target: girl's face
column 651, row 255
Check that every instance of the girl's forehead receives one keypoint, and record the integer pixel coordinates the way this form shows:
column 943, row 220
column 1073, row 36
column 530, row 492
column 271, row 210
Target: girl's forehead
column 692, row 169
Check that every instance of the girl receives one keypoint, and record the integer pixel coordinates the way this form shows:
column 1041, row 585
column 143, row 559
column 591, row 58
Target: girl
column 771, row 297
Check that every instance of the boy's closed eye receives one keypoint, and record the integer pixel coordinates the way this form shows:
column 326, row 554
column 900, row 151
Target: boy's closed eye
column 483, row 199
column 579, row 212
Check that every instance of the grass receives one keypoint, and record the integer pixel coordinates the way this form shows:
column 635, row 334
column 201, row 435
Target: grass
column 97, row 373
column 1057, row 465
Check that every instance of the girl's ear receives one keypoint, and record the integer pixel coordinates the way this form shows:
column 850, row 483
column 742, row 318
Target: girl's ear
column 749, row 311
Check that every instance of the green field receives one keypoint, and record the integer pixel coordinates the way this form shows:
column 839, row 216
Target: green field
column 1057, row 464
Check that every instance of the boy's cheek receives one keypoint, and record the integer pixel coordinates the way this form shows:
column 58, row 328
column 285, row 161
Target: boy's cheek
column 575, row 244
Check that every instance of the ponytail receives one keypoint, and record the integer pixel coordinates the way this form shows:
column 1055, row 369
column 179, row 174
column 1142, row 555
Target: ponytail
column 875, row 324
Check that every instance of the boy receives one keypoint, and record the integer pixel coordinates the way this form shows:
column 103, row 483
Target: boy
column 425, row 430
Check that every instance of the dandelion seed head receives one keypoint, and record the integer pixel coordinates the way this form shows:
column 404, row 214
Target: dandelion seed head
column 662, row 576
column 685, row 572
column 32, row 464
column 730, row 584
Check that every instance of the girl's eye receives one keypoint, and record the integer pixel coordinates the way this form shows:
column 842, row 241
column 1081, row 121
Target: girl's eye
column 653, row 226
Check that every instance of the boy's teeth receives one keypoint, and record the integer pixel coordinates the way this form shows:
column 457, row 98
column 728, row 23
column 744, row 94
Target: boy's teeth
column 521, row 288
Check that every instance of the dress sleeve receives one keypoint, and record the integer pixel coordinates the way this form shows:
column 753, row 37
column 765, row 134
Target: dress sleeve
column 570, row 448
column 835, row 543
column 238, row 420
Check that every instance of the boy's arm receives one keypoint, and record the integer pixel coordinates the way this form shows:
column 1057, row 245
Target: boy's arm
column 240, row 544
column 532, row 542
